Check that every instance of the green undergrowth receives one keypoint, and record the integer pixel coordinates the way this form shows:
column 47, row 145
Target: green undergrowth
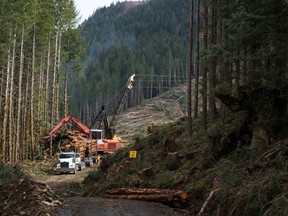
column 10, row 174
column 246, row 179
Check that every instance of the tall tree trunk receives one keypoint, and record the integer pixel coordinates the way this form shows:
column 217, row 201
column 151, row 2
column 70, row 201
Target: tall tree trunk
column 223, row 69
column 57, row 100
column 41, row 96
column 66, row 89
column 20, row 78
column 32, row 128
column 212, row 83
column 3, row 87
column 197, row 62
column 190, row 70
column 28, row 150
column 205, row 69
column 46, row 107
column 11, row 97
column 53, row 102
column 5, row 110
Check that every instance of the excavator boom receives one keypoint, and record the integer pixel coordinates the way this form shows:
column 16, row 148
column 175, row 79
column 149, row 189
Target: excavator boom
column 102, row 117
column 121, row 103
column 71, row 121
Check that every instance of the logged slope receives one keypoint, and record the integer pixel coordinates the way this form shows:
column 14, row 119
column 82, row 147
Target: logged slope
column 165, row 108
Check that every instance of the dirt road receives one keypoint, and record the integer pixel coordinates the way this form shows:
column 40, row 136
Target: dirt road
column 69, row 187
column 88, row 206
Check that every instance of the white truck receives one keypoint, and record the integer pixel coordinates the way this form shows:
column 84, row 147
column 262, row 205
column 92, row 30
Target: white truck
column 69, row 162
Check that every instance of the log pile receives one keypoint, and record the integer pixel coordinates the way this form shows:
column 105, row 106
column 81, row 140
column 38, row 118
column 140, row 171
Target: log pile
column 172, row 197
column 78, row 142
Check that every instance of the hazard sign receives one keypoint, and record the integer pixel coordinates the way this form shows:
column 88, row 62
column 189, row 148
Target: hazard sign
column 133, row 154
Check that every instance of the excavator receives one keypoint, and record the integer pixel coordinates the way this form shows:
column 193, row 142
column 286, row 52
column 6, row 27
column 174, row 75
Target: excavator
column 108, row 144
column 110, row 127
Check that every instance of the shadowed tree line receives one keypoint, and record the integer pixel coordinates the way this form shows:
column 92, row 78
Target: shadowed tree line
column 39, row 47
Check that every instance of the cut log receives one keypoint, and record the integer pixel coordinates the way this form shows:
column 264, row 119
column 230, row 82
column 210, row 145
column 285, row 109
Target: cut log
column 151, row 197
column 147, row 194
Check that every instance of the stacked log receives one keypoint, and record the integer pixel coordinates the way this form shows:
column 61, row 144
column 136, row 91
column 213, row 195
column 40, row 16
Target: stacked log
column 80, row 143
column 173, row 197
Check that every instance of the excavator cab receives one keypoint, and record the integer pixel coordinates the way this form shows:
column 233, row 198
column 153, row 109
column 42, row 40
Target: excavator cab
column 95, row 134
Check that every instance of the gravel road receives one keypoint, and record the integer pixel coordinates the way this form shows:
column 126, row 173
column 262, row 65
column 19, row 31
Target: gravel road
column 88, row 206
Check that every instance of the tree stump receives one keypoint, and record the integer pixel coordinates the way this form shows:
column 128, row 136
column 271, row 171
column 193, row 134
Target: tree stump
column 173, row 161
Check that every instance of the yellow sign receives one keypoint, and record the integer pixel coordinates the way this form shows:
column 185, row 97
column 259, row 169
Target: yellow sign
column 133, row 154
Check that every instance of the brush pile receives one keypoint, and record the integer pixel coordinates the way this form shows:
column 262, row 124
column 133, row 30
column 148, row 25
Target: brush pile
column 19, row 195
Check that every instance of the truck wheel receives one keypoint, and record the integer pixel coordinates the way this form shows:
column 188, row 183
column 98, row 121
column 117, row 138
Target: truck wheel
column 79, row 167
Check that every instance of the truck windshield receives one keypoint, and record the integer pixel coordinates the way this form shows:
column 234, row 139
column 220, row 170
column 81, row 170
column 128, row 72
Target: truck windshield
column 67, row 156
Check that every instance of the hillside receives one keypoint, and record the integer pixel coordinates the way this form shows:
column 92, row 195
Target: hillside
column 226, row 170
column 221, row 178
column 164, row 108
column 146, row 38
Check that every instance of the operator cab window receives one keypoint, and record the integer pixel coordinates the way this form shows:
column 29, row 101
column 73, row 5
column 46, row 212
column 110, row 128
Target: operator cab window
column 62, row 156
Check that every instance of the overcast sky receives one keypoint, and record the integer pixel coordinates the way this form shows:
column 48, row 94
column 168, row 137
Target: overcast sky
column 87, row 7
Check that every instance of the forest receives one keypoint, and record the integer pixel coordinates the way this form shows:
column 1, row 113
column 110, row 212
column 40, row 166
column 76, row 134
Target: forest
column 40, row 45
column 230, row 151
column 235, row 53
column 226, row 60
column 226, row 48
column 131, row 38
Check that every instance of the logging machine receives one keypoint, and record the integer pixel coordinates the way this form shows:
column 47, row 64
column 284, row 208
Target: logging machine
column 105, row 142
column 109, row 127
column 109, row 144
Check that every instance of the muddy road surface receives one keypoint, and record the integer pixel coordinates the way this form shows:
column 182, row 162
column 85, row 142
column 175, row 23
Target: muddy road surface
column 69, row 188
column 89, row 206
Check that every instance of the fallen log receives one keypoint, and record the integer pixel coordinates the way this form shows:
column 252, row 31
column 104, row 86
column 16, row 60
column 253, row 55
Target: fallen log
column 148, row 194
column 150, row 197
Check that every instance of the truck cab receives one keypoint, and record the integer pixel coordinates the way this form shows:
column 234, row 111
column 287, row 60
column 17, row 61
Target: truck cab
column 68, row 162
